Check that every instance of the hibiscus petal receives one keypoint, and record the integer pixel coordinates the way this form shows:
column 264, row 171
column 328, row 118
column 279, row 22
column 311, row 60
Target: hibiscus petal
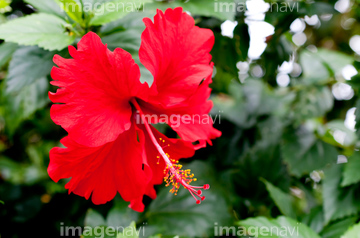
column 199, row 129
column 177, row 53
column 102, row 171
column 137, row 204
column 96, row 86
column 189, row 119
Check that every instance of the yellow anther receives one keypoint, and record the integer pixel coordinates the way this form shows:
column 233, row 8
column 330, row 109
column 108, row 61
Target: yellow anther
column 175, row 176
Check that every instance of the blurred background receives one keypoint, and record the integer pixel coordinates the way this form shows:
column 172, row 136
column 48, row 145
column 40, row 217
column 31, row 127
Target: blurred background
column 286, row 88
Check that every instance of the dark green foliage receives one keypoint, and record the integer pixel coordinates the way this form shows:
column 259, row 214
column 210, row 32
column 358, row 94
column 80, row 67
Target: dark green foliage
column 278, row 163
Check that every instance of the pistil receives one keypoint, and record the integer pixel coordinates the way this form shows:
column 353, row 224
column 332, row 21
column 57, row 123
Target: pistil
column 174, row 174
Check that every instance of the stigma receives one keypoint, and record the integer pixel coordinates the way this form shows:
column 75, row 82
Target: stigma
column 175, row 177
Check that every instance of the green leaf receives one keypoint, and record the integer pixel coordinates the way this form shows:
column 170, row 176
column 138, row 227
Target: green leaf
column 44, row 30
column 250, row 167
column 95, row 225
column 27, row 65
column 128, row 40
column 315, row 219
column 351, row 172
column 129, row 232
column 5, row 6
column 357, row 118
column 339, row 125
column 94, row 219
column 353, row 232
column 242, row 40
column 317, row 8
column 280, row 227
column 121, row 215
column 11, row 171
column 355, row 82
column 72, row 9
column 124, row 33
column 6, row 51
column 130, row 21
column 113, row 10
column 116, row 223
column 336, row 229
column 338, row 202
column 2, row 202
column 312, row 102
column 313, row 69
column 234, row 106
column 21, row 173
column 99, row 231
column 248, row 101
column 156, row 236
column 335, row 60
column 47, row 6
column 282, row 200
column 170, row 214
column 226, row 54
column 311, row 153
column 22, row 105
column 224, row 10
column 320, row 66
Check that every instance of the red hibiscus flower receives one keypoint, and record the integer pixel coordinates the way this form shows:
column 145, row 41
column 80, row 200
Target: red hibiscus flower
column 111, row 146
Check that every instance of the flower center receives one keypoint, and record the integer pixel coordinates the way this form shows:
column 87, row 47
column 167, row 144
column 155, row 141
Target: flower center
column 174, row 174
